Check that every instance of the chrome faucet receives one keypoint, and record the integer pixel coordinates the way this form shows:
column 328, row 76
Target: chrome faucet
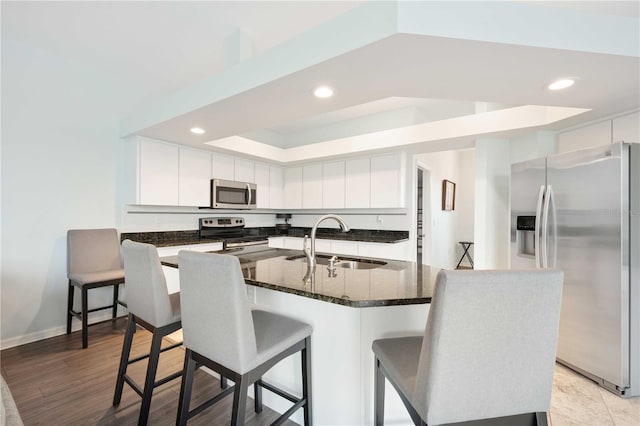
column 311, row 252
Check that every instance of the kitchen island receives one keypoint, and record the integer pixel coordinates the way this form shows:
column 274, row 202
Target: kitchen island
column 348, row 309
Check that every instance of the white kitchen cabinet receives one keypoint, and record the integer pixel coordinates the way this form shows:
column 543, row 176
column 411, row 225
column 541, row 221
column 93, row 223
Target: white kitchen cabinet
column 171, row 275
column 157, row 173
column 312, row 186
column 627, row 128
column 597, row 134
column 387, row 173
column 333, row 185
column 276, row 187
column 293, row 243
column 194, row 178
column 293, row 188
column 276, row 242
column 348, row 248
column 263, row 186
column 244, row 171
column 357, row 183
column 395, row 251
column 222, row 167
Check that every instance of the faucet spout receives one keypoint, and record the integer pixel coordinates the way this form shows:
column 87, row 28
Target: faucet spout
column 311, row 253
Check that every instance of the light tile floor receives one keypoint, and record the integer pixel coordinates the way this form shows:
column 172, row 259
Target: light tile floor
column 576, row 400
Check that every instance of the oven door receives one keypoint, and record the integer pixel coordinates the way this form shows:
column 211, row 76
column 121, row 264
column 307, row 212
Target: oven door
column 227, row 194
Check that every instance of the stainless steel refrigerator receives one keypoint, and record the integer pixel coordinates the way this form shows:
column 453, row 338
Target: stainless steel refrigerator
column 580, row 212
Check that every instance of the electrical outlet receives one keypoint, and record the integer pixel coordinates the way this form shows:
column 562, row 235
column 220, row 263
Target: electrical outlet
column 379, row 219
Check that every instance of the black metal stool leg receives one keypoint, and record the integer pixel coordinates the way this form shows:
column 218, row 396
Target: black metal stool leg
column 116, row 291
column 379, row 384
column 239, row 400
column 85, row 318
column 124, row 358
column 257, row 396
column 185, row 388
column 154, row 355
column 306, row 382
column 70, row 306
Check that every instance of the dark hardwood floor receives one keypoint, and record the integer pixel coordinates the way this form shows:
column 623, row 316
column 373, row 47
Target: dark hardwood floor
column 56, row 382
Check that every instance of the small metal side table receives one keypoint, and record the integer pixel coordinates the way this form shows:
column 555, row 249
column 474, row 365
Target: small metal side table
column 465, row 245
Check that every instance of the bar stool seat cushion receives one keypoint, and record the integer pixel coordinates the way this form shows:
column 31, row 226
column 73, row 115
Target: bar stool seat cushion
column 400, row 357
column 82, row 278
column 275, row 333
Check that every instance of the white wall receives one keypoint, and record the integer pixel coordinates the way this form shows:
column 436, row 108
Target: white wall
column 448, row 227
column 59, row 171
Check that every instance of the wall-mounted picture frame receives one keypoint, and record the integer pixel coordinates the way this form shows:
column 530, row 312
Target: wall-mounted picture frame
column 448, row 195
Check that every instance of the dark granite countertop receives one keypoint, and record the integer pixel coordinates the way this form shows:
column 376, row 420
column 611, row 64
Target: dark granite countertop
column 394, row 283
column 178, row 238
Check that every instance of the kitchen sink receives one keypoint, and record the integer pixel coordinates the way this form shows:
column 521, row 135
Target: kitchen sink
column 341, row 262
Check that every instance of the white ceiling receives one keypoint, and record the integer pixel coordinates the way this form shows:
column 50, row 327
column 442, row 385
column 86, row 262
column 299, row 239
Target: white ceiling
column 167, row 51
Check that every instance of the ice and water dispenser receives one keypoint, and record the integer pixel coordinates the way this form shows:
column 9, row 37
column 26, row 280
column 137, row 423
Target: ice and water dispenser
column 525, row 236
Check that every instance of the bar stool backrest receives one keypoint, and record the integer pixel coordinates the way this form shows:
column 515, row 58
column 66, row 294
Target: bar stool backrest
column 216, row 316
column 92, row 250
column 489, row 345
column 147, row 296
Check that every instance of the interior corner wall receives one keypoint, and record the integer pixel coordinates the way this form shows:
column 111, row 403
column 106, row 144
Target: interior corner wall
column 491, row 224
column 59, row 167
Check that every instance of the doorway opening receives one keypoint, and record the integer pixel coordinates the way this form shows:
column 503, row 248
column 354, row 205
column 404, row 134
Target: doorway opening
column 423, row 216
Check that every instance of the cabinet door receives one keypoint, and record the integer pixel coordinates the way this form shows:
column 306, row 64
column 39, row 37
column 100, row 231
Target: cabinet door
column 385, row 181
column 262, row 183
column 222, row 167
column 357, row 183
column 627, row 128
column 333, row 181
column 276, row 187
column 158, row 176
column 293, row 188
column 312, row 186
column 244, row 171
column 585, row 137
column 193, row 178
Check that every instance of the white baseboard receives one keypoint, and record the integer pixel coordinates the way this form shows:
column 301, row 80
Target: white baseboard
column 52, row 332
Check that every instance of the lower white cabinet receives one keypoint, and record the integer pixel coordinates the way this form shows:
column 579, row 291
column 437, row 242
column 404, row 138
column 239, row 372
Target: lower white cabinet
column 394, row 251
column 171, row 275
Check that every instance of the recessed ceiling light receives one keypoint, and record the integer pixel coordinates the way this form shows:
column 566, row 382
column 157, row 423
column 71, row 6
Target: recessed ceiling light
column 561, row 84
column 323, row 92
column 197, row 130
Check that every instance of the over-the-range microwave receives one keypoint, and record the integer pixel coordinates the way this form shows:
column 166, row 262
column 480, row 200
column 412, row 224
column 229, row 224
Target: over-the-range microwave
column 228, row 194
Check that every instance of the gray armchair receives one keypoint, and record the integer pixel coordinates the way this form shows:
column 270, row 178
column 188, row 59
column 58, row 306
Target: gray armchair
column 488, row 351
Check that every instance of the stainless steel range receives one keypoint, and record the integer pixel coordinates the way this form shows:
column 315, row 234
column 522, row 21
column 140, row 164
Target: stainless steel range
column 231, row 230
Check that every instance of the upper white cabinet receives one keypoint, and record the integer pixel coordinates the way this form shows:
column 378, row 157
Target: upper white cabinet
column 158, row 173
column 293, row 188
column 312, row 186
column 244, row 171
column 333, row 185
column 262, row 185
column 387, row 176
column 357, row 183
column 585, row 137
column 194, row 175
column 276, row 187
column 627, row 128
column 222, row 167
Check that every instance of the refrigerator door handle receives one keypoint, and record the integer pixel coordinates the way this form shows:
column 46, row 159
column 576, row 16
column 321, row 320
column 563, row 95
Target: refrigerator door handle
column 549, row 213
column 536, row 241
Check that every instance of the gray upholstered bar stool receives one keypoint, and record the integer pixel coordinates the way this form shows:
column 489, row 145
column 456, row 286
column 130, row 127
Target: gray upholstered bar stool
column 222, row 332
column 93, row 261
column 488, row 352
column 153, row 308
